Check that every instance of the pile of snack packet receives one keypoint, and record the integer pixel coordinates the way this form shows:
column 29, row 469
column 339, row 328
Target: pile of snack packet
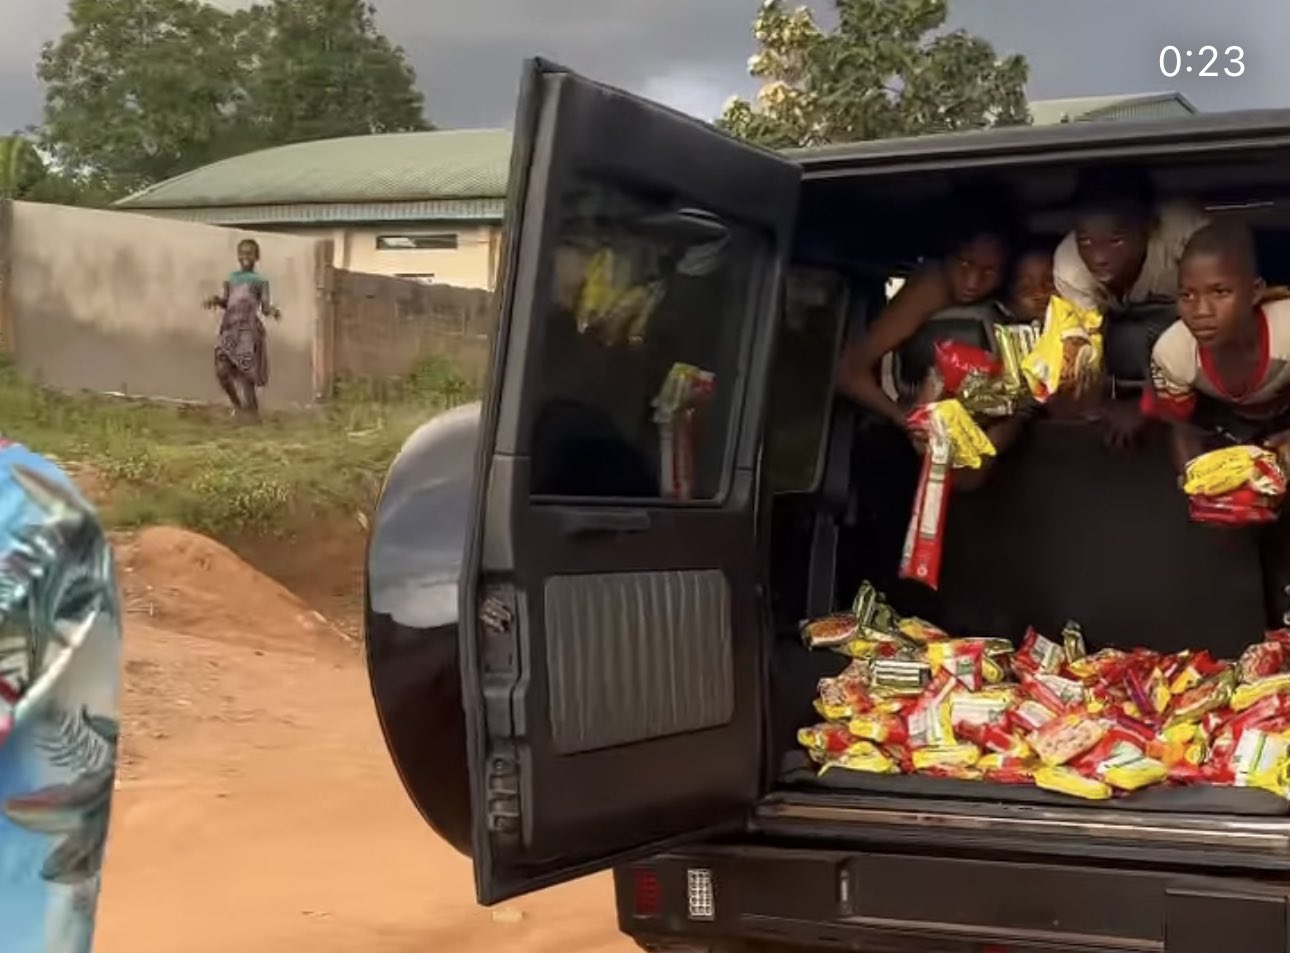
column 913, row 700
column 975, row 385
column 1235, row 486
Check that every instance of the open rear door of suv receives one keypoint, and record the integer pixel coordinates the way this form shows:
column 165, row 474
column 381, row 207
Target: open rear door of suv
column 611, row 620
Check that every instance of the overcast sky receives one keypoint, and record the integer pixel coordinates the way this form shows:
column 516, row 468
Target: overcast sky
column 692, row 53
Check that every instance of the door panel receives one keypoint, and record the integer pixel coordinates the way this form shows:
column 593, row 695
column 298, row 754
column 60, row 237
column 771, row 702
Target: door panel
column 612, row 618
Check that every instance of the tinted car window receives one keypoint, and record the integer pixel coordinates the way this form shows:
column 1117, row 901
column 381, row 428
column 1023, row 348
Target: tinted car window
column 640, row 368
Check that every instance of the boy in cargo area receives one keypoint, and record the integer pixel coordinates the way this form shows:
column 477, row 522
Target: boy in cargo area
column 1221, row 374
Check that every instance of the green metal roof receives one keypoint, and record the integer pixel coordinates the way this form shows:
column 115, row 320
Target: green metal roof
column 393, row 168
column 1049, row 112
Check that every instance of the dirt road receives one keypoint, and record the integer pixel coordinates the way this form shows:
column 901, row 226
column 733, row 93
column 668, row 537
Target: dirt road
column 256, row 809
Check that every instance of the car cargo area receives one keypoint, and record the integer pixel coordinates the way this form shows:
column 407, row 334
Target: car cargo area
column 1064, row 529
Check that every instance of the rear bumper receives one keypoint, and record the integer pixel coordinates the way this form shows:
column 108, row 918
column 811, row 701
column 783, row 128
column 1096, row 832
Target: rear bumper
column 766, row 898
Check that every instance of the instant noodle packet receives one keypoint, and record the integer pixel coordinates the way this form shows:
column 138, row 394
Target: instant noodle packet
column 830, row 631
column 968, row 444
column 1068, row 354
column 1066, row 781
column 1230, row 468
column 961, row 659
column 879, row 728
column 863, row 757
column 958, row 755
column 1262, row 661
column 1252, row 692
column 1066, row 738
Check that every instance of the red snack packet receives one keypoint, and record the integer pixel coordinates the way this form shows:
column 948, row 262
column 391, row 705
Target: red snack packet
column 882, row 729
column 1039, row 654
column 1037, row 690
column 1066, row 738
column 1010, row 771
column 1244, row 506
column 1280, row 636
column 955, row 361
column 1140, row 732
column 1262, row 660
column 925, row 539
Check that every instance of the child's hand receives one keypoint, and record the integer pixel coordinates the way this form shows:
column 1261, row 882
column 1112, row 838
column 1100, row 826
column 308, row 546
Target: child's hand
column 1279, row 443
column 211, row 303
column 1123, row 423
column 275, row 314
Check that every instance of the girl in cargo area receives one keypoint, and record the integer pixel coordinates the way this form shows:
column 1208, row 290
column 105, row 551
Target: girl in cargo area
column 241, row 352
column 1221, row 374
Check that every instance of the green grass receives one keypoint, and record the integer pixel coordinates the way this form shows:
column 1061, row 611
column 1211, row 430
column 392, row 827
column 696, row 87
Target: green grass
column 149, row 463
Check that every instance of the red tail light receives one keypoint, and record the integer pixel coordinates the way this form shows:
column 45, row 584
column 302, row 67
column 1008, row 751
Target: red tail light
column 647, row 895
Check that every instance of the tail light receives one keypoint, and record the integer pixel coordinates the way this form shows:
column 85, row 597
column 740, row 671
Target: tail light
column 647, row 895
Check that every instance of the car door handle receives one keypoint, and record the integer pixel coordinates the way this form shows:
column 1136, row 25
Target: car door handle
column 586, row 522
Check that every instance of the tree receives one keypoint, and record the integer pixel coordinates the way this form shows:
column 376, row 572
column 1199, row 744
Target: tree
column 888, row 69
column 141, row 90
column 137, row 91
column 327, row 71
column 21, row 167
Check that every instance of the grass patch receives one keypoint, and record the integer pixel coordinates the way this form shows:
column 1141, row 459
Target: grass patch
column 147, row 462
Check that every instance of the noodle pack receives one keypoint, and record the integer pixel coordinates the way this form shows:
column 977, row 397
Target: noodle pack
column 1050, row 713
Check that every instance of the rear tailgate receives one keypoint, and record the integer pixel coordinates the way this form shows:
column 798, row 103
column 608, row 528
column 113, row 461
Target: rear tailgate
column 742, row 897
column 1031, row 831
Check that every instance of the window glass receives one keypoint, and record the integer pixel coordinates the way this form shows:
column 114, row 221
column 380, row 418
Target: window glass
column 801, row 395
column 639, row 370
column 445, row 240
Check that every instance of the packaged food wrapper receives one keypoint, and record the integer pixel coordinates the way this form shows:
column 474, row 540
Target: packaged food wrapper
column 1241, row 507
column 956, row 361
column 685, row 389
column 920, row 632
column 1068, row 354
column 1002, row 769
column 1210, row 695
column 1248, row 694
column 1134, row 773
column 1262, row 661
column 830, row 631
column 961, row 658
column 920, row 559
column 1066, row 781
column 1073, row 643
column 1230, row 468
column 845, row 695
column 863, row 757
column 879, row 728
column 1030, row 715
column 1066, row 738
column 1040, row 654
column 950, row 420
column 1257, row 753
column 899, row 676
column 931, row 721
column 826, row 740
column 980, row 708
column 959, row 755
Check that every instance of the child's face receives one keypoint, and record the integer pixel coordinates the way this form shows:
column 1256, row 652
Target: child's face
column 1032, row 286
column 1216, row 297
column 1112, row 246
column 974, row 269
column 247, row 256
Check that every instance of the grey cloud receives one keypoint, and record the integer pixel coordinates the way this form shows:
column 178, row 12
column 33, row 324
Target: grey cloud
column 468, row 54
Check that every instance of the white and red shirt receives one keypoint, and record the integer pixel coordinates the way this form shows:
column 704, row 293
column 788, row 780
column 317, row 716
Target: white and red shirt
column 1181, row 370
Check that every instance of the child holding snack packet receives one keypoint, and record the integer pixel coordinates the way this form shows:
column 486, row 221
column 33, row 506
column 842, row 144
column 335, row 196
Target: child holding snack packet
column 1221, row 374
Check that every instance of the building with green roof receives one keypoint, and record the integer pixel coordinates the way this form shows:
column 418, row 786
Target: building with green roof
column 420, row 205
column 1139, row 106
column 429, row 205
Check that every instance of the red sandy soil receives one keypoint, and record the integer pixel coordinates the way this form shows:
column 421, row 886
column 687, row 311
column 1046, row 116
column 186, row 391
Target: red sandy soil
column 256, row 808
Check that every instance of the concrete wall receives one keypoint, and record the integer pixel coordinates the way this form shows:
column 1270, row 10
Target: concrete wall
column 384, row 326
column 472, row 264
column 112, row 301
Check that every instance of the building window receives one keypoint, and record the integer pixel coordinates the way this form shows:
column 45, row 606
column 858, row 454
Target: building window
column 435, row 242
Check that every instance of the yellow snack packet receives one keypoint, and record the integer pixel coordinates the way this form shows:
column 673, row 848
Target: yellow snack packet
column 1068, row 355
column 1136, row 773
column 1224, row 470
column 1275, row 778
column 961, row 755
column 949, row 420
column 1254, row 692
column 1066, row 781
column 862, row 757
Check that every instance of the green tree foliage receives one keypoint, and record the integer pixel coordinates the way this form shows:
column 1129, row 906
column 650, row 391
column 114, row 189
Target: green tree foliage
column 888, row 69
column 327, row 71
column 137, row 91
column 21, row 167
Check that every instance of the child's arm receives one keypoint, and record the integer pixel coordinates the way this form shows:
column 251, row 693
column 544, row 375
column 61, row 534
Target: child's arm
column 220, row 300
column 266, row 302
